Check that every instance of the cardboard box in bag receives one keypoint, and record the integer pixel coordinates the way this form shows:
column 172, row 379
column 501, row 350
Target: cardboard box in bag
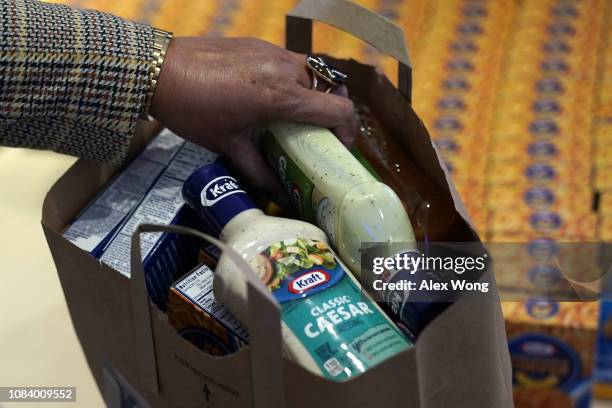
column 460, row 359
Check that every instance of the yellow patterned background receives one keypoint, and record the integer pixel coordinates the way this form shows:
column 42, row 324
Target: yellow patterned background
column 522, row 172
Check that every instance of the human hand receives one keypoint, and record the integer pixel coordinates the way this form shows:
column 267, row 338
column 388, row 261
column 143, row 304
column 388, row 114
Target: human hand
column 214, row 91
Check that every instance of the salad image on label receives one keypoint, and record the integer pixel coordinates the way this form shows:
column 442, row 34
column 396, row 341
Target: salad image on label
column 329, row 325
column 280, row 260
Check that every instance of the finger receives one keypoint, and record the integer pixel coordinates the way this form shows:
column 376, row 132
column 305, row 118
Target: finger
column 324, row 109
column 303, row 73
column 244, row 158
column 304, row 77
column 340, row 90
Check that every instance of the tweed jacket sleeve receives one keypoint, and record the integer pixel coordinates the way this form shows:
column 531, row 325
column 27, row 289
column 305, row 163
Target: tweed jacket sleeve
column 72, row 81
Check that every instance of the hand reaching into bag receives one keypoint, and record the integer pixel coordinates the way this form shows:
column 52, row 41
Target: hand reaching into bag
column 214, row 91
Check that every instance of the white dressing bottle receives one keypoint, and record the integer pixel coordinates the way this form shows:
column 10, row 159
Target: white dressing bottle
column 329, row 187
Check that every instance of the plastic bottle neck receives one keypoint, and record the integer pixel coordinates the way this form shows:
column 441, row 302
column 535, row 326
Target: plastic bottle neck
column 216, row 196
column 240, row 223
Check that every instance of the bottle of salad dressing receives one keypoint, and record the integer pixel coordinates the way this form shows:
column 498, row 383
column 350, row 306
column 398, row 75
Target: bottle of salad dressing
column 329, row 326
column 331, row 188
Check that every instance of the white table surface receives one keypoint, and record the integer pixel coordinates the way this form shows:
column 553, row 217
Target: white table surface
column 38, row 345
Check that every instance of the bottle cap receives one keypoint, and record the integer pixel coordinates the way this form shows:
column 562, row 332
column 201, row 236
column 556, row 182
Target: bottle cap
column 215, row 196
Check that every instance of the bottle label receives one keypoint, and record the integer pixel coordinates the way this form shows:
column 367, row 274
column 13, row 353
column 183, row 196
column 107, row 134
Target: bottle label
column 340, row 326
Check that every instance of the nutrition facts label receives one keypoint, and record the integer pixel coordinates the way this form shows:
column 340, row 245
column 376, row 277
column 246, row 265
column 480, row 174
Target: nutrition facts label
column 160, row 206
column 197, row 287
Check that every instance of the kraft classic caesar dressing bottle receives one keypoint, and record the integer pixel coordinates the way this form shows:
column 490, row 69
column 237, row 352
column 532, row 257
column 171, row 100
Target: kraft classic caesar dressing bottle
column 329, row 326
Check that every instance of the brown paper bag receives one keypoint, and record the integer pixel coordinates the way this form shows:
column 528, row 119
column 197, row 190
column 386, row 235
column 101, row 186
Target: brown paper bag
column 460, row 359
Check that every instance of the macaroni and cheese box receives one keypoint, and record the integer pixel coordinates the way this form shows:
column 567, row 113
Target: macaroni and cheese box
column 198, row 317
column 603, row 372
column 552, row 349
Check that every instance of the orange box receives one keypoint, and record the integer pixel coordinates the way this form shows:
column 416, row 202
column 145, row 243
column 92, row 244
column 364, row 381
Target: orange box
column 520, row 201
column 552, row 349
column 555, row 151
column 557, row 225
column 605, row 203
column 603, row 177
column 605, row 228
column 193, row 311
column 521, row 175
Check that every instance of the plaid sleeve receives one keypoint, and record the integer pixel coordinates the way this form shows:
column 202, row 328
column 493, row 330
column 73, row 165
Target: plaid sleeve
column 72, row 81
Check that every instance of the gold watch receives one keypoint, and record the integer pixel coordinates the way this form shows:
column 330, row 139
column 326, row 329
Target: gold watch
column 161, row 40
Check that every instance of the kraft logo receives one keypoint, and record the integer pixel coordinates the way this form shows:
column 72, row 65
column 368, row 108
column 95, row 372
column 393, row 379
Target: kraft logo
column 538, row 348
column 217, row 189
column 308, row 281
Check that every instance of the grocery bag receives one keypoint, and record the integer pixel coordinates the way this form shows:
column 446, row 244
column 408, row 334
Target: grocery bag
column 459, row 360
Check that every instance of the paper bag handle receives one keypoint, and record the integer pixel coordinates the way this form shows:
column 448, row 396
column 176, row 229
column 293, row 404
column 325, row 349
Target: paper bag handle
column 353, row 19
column 263, row 323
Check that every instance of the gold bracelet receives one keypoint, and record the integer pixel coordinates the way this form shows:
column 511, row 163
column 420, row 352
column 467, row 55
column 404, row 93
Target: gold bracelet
column 161, row 40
